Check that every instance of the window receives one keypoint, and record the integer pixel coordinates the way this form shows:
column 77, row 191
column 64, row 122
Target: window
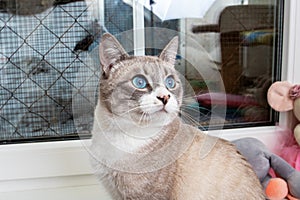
column 48, row 58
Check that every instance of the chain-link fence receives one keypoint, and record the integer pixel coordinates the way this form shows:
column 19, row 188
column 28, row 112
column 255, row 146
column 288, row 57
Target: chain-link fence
column 43, row 58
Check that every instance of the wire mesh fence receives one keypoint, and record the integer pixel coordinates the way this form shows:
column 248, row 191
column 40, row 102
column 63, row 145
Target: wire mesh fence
column 43, row 62
column 51, row 56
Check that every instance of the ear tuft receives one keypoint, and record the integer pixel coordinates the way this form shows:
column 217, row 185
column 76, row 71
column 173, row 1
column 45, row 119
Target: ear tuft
column 110, row 51
column 169, row 53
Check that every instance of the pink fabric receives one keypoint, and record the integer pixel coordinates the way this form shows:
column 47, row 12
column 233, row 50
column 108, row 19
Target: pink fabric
column 295, row 92
column 288, row 149
column 292, row 156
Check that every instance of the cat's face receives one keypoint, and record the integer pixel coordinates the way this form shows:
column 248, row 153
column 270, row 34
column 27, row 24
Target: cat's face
column 145, row 90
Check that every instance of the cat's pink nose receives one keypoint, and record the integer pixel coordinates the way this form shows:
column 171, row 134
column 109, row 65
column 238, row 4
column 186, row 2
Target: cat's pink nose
column 164, row 98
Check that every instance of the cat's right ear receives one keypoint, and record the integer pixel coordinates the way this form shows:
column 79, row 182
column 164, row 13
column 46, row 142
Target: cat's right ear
column 110, row 51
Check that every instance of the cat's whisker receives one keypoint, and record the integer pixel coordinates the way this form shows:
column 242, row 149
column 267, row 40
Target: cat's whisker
column 192, row 120
column 188, row 96
column 144, row 119
column 140, row 122
column 189, row 116
column 135, row 108
column 189, row 107
column 130, row 110
column 147, row 119
column 197, row 109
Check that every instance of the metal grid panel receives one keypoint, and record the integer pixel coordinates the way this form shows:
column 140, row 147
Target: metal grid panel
column 39, row 71
column 45, row 61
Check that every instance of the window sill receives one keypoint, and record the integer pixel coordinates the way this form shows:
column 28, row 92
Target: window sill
column 88, row 192
column 66, row 163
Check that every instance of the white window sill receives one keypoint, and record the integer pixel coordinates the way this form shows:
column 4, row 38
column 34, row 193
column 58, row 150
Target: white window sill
column 86, row 192
column 64, row 166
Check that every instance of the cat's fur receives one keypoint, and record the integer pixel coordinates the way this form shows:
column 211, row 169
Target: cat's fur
column 139, row 121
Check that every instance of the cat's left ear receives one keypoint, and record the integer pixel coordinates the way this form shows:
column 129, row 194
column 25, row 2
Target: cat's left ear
column 169, row 53
column 110, row 51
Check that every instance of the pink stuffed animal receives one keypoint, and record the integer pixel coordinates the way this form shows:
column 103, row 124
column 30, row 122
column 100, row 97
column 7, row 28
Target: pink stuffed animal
column 282, row 97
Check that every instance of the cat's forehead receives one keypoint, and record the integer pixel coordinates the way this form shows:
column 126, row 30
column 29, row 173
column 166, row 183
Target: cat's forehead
column 150, row 65
column 153, row 68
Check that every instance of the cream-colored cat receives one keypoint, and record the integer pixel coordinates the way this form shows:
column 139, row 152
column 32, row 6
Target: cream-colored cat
column 142, row 150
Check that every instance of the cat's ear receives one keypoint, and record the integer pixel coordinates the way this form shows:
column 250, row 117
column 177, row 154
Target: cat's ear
column 110, row 51
column 169, row 53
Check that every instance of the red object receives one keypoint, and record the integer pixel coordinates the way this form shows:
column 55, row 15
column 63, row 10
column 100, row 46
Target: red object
column 229, row 100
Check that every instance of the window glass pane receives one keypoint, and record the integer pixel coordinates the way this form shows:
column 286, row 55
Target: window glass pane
column 118, row 16
column 43, row 62
column 48, row 56
column 242, row 41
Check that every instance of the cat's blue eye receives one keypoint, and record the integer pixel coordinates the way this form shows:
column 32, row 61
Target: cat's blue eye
column 139, row 82
column 170, row 82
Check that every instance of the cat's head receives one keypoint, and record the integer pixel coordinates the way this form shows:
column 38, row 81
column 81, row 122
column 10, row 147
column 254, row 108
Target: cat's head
column 143, row 89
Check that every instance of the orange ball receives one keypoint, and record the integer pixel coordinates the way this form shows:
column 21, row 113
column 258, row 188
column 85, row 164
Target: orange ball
column 277, row 189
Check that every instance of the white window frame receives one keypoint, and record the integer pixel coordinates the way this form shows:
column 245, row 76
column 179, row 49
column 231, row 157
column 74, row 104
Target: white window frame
column 66, row 163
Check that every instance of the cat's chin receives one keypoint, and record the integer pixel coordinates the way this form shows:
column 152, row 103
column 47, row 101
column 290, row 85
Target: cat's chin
column 161, row 110
column 159, row 118
column 163, row 117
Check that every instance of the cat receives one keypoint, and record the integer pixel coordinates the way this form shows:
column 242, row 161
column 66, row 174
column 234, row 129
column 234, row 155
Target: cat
column 140, row 147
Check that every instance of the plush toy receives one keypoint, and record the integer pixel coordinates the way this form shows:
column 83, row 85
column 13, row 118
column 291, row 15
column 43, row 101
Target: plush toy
column 282, row 97
column 262, row 160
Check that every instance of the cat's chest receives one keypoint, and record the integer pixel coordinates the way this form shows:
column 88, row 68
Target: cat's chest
column 152, row 185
